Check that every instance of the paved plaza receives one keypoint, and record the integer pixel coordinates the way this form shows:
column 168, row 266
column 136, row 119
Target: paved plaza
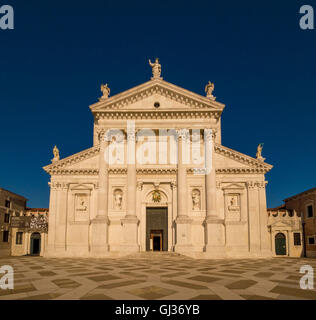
column 156, row 276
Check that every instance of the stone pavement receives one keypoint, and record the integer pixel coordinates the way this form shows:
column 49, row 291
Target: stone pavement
column 156, row 276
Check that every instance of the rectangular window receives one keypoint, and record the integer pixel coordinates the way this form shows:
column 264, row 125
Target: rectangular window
column 310, row 211
column 19, row 237
column 7, row 218
column 311, row 240
column 297, row 239
column 7, row 204
column 5, row 236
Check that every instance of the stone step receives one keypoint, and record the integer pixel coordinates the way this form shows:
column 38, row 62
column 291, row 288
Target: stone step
column 153, row 254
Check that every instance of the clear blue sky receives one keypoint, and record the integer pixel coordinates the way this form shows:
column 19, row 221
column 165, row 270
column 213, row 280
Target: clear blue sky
column 52, row 65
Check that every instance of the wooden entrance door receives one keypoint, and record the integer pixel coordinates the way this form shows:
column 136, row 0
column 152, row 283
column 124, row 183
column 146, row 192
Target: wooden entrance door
column 157, row 228
column 280, row 244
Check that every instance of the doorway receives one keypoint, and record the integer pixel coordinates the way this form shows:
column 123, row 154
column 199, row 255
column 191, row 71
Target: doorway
column 156, row 240
column 35, row 244
column 280, row 244
column 157, row 229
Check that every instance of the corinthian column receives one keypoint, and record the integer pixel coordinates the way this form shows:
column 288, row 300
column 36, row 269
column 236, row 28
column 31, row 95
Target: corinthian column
column 210, row 174
column 99, row 226
column 183, row 222
column 131, row 174
column 183, row 137
column 214, row 225
column 103, row 178
column 130, row 222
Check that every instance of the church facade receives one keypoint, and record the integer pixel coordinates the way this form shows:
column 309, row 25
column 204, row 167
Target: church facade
column 158, row 178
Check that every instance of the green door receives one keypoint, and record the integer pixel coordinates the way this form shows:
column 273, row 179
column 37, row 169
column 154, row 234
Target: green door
column 280, row 244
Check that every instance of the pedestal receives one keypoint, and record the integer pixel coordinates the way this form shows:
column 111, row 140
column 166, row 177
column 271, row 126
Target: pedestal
column 215, row 236
column 183, row 235
column 130, row 238
column 99, row 236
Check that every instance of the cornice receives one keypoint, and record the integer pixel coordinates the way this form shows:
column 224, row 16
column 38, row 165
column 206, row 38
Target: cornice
column 164, row 88
column 59, row 167
column 157, row 114
column 151, row 171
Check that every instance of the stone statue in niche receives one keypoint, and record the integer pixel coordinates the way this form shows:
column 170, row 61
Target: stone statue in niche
column 233, row 203
column 196, row 199
column 82, row 204
column 118, row 199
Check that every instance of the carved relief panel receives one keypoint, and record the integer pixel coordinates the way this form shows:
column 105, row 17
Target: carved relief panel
column 234, row 202
column 81, row 206
column 79, row 203
column 233, row 207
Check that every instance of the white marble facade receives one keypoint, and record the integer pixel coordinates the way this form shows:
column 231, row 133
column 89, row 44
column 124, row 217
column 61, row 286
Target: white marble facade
column 99, row 201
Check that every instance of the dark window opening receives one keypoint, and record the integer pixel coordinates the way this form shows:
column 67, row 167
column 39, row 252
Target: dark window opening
column 5, row 236
column 19, row 237
column 7, row 204
column 297, row 239
column 310, row 212
column 7, row 218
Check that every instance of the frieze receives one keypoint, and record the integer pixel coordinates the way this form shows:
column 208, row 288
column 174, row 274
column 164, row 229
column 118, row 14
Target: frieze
column 66, row 172
column 156, row 170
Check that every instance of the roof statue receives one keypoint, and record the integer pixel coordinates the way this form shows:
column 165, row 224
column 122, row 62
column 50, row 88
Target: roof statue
column 259, row 152
column 209, row 88
column 56, row 154
column 106, row 91
column 156, row 69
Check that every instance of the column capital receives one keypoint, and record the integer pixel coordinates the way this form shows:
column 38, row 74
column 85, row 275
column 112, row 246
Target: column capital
column 251, row 184
column 210, row 134
column 139, row 185
column 183, row 133
column 173, row 184
column 130, row 135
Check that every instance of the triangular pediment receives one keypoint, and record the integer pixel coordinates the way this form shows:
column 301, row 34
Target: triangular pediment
column 233, row 186
column 84, row 162
column 80, row 187
column 280, row 224
column 229, row 161
column 168, row 95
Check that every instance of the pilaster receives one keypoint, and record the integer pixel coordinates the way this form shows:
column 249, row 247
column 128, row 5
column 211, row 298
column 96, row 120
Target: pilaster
column 254, row 218
column 100, row 225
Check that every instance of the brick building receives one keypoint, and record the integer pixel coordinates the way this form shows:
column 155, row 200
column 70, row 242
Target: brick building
column 11, row 204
